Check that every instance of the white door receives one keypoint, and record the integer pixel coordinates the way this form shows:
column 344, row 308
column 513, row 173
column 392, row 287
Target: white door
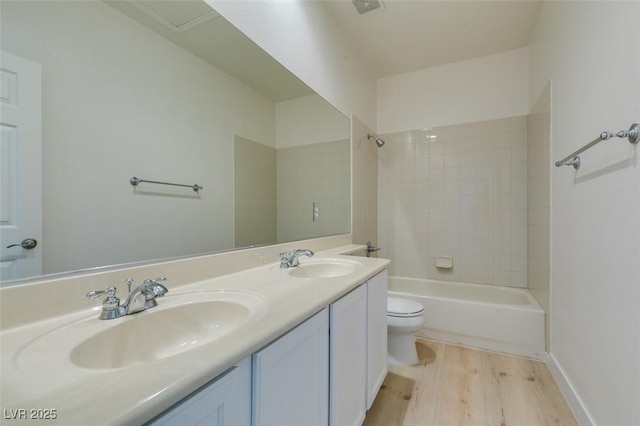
column 20, row 167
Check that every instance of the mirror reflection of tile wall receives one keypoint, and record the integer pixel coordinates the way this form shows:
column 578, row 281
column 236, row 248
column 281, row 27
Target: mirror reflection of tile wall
column 319, row 173
column 275, row 190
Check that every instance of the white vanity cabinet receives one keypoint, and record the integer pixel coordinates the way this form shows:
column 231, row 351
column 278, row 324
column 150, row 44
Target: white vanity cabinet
column 348, row 358
column 225, row 401
column 358, row 350
column 376, row 334
column 291, row 377
column 326, row 371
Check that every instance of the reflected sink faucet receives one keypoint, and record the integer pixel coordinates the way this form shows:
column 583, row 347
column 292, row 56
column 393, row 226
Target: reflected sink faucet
column 141, row 298
column 289, row 259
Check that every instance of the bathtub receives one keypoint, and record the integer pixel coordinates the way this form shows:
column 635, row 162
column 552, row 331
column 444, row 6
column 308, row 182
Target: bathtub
column 501, row 319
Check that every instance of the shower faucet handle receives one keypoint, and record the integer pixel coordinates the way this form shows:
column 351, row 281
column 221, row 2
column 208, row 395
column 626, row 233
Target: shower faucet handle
column 371, row 248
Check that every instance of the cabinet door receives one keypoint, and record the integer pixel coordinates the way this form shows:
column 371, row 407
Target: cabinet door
column 225, row 401
column 376, row 334
column 291, row 377
column 348, row 359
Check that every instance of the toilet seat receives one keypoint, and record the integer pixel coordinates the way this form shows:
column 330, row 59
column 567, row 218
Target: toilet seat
column 402, row 308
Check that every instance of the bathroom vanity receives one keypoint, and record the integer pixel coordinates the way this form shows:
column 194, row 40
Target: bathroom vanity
column 304, row 345
column 326, row 370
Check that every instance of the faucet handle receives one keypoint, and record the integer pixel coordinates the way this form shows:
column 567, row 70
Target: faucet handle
column 110, row 292
column 111, row 301
column 285, row 259
column 156, row 286
column 110, row 306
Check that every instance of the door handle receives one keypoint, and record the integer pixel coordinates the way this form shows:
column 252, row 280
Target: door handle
column 27, row 243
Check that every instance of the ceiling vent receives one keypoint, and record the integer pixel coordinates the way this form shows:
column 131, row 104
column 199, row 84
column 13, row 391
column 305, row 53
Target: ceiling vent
column 178, row 16
column 364, row 6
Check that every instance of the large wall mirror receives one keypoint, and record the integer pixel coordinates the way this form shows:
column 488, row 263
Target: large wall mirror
column 164, row 91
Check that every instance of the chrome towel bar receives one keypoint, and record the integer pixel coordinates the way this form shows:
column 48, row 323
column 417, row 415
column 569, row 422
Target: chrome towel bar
column 633, row 135
column 135, row 181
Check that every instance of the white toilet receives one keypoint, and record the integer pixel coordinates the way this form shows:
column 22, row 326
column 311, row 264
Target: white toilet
column 404, row 317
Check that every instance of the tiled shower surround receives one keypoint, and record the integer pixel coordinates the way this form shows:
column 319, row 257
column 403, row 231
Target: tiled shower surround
column 459, row 191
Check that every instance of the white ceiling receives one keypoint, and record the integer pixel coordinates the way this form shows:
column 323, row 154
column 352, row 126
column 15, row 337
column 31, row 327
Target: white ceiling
column 401, row 36
column 408, row 35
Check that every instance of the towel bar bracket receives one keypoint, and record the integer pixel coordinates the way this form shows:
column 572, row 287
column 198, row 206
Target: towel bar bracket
column 575, row 162
column 633, row 134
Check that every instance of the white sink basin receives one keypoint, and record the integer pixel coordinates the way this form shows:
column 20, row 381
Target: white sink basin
column 159, row 334
column 179, row 323
column 324, row 268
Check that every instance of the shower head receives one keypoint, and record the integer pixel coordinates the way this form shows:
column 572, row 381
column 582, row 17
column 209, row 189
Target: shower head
column 379, row 141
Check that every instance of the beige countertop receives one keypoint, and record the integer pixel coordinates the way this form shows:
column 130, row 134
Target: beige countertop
column 43, row 377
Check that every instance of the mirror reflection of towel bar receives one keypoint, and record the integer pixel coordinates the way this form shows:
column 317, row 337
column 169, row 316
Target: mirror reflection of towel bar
column 135, row 181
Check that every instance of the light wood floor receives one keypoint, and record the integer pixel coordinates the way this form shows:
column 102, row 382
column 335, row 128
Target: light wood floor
column 454, row 385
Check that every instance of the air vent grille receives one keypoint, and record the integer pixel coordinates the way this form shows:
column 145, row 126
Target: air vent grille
column 364, row 6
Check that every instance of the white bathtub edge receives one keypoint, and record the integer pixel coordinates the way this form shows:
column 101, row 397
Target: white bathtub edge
column 498, row 327
column 573, row 400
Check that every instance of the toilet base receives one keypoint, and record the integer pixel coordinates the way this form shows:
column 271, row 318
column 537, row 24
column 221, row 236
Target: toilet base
column 401, row 349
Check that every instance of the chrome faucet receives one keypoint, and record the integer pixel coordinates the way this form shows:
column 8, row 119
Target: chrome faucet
column 289, row 259
column 141, row 298
column 144, row 296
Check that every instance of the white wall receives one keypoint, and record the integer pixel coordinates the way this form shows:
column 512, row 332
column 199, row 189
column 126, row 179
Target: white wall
column 486, row 88
column 309, row 120
column 591, row 51
column 303, row 37
column 104, row 121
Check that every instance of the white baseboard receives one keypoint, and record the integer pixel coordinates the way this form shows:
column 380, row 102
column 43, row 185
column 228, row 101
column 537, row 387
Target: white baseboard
column 572, row 398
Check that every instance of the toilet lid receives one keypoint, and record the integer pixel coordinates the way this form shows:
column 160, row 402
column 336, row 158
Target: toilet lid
column 399, row 307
